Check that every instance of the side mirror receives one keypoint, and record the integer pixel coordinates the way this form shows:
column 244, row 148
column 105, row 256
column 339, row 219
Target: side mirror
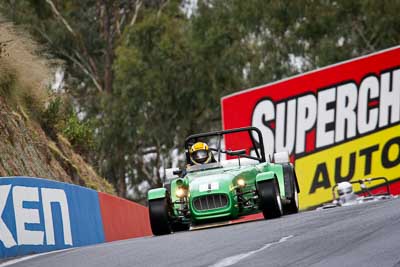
column 172, row 173
column 237, row 152
column 177, row 172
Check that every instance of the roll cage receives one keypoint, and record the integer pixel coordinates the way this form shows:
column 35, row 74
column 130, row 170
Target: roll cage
column 257, row 145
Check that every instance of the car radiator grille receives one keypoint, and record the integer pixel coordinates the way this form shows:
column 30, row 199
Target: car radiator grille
column 210, row 202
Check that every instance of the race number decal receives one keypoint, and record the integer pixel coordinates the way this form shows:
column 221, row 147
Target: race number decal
column 208, row 187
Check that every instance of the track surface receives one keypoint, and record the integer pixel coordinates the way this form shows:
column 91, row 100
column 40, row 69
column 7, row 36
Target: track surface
column 363, row 235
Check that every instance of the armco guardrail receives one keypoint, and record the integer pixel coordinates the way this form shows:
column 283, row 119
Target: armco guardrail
column 38, row 215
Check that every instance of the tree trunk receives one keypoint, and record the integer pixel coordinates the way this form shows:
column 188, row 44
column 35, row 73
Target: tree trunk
column 109, row 49
column 121, row 187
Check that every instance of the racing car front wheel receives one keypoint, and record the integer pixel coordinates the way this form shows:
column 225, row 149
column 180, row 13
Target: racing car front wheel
column 293, row 206
column 270, row 199
column 291, row 190
column 159, row 219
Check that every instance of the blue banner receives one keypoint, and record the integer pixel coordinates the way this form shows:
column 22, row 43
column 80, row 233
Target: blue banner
column 38, row 215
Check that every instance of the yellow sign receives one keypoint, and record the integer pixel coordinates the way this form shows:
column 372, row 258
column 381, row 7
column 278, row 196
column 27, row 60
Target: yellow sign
column 374, row 155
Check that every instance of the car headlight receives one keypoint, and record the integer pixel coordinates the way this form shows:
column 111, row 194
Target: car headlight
column 179, row 182
column 241, row 182
column 180, row 192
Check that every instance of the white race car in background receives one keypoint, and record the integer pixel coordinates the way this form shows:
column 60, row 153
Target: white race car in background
column 346, row 196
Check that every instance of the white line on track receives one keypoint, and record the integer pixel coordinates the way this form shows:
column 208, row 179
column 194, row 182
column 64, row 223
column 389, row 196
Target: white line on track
column 18, row 260
column 235, row 259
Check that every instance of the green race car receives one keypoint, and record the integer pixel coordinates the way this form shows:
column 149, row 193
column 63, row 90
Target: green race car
column 245, row 183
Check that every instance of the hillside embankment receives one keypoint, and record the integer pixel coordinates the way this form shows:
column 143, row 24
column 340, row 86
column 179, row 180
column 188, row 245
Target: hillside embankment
column 26, row 149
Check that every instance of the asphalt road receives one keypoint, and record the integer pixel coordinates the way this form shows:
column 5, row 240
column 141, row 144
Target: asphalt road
column 363, row 235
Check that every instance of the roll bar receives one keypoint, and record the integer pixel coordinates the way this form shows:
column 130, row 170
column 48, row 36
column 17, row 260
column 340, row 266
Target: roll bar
column 190, row 140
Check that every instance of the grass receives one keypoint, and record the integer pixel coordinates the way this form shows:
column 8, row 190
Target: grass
column 24, row 75
column 25, row 79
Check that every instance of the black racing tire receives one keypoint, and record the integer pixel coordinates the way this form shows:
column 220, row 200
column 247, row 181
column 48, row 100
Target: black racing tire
column 270, row 199
column 291, row 190
column 159, row 218
column 293, row 206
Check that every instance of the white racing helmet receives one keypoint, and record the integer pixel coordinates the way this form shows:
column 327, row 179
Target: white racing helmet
column 346, row 194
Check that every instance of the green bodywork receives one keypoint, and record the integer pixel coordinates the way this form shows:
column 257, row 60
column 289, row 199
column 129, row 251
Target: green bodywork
column 157, row 193
column 211, row 191
column 223, row 181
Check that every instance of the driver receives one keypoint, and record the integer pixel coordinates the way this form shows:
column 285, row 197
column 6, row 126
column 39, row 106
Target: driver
column 346, row 194
column 200, row 154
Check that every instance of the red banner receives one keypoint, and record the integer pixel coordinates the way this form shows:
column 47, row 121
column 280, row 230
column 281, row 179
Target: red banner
column 338, row 123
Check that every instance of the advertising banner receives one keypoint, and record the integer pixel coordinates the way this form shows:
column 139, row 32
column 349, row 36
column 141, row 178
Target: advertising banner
column 338, row 123
column 39, row 215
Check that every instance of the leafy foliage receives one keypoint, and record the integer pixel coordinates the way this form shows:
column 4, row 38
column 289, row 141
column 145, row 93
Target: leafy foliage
column 153, row 70
column 79, row 133
column 145, row 85
column 60, row 117
column 52, row 116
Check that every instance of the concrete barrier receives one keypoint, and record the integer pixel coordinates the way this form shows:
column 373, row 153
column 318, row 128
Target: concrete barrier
column 38, row 215
column 123, row 219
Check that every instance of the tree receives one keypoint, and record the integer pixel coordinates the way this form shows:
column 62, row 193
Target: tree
column 152, row 97
column 82, row 33
column 150, row 75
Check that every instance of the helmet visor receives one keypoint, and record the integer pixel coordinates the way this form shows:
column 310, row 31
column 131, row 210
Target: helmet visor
column 200, row 156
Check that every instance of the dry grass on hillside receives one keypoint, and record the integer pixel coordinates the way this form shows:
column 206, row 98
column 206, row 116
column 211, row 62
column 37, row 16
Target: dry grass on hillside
column 24, row 76
column 25, row 148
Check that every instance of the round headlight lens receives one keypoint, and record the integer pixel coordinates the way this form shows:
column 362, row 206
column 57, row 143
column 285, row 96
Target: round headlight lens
column 180, row 192
column 241, row 182
column 179, row 182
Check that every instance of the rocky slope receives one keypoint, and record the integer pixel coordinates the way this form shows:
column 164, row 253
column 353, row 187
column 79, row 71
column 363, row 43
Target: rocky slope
column 25, row 149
